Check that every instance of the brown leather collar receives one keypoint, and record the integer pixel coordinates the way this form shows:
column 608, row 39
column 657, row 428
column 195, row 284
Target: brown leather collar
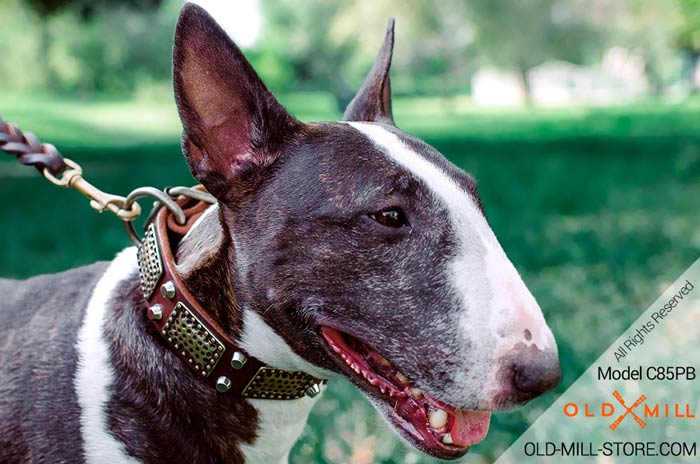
column 189, row 331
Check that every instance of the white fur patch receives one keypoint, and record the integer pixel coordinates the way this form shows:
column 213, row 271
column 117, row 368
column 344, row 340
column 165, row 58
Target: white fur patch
column 201, row 242
column 210, row 210
column 94, row 375
column 260, row 340
column 498, row 305
column 281, row 422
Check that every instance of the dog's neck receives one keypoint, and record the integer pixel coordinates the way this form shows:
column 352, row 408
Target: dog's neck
column 204, row 258
column 172, row 403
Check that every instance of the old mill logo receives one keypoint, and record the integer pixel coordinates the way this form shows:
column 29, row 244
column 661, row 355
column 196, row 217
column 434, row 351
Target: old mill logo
column 639, row 410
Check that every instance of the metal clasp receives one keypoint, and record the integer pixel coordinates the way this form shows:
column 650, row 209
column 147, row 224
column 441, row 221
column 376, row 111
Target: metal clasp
column 99, row 200
column 126, row 208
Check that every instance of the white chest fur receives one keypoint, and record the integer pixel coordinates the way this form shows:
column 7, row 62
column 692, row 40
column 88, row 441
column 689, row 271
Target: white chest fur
column 281, row 422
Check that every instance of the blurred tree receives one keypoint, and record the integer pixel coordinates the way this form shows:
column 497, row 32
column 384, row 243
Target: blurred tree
column 521, row 35
column 297, row 42
column 87, row 7
column 646, row 27
column 331, row 45
column 117, row 50
column 688, row 39
column 123, row 46
column 432, row 53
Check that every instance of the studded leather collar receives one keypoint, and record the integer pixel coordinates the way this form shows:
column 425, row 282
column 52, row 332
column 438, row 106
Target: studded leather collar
column 196, row 338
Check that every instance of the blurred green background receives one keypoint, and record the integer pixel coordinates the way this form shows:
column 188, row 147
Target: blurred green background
column 579, row 119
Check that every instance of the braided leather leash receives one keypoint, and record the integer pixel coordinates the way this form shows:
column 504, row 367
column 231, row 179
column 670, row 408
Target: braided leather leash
column 29, row 151
column 61, row 171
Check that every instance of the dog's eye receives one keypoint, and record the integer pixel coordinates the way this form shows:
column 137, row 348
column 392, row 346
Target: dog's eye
column 390, row 217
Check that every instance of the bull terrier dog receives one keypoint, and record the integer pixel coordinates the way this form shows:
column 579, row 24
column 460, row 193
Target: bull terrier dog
column 334, row 250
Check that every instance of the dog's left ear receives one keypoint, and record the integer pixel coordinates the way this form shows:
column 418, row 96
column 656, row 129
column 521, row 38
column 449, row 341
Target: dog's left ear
column 232, row 122
column 372, row 103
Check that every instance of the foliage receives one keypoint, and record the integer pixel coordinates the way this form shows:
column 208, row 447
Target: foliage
column 123, row 47
column 688, row 39
column 689, row 30
column 118, row 51
column 521, row 35
column 86, row 7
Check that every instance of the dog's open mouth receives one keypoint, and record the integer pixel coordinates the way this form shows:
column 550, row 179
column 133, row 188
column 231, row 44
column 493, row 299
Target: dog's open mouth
column 431, row 425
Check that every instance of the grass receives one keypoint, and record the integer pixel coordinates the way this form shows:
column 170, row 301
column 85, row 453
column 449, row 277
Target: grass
column 597, row 208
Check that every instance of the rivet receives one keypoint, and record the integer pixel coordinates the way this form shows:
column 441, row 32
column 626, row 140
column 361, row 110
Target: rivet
column 167, row 290
column 313, row 390
column 223, row 384
column 238, row 360
column 155, row 312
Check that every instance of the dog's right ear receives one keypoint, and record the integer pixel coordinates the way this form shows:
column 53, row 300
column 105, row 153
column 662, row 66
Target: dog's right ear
column 231, row 120
column 372, row 103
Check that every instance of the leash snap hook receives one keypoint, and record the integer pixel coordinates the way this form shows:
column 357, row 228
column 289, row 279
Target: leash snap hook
column 67, row 177
column 99, row 200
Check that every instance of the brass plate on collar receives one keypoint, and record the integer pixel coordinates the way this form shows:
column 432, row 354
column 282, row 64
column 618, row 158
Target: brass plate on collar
column 193, row 340
column 150, row 264
column 275, row 384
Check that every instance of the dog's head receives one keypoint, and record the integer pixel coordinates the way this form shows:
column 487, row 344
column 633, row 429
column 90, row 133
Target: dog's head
column 362, row 247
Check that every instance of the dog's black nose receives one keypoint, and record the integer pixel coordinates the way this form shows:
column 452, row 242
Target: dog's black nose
column 536, row 375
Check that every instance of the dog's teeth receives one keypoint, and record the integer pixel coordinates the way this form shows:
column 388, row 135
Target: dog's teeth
column 356, row 368
column 438, row 418
column 447, row 439
column 382, row 360
column 373, row 381
column 382, row 388
column 402, row 378
column 416, row 392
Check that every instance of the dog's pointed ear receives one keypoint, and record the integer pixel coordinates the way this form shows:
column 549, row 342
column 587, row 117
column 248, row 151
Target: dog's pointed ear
column 372, row 102
column 231, row 120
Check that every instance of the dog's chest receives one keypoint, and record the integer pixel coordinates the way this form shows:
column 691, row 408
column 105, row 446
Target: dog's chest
column 228, row 428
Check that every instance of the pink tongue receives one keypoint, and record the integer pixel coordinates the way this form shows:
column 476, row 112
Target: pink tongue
column 469, row 427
